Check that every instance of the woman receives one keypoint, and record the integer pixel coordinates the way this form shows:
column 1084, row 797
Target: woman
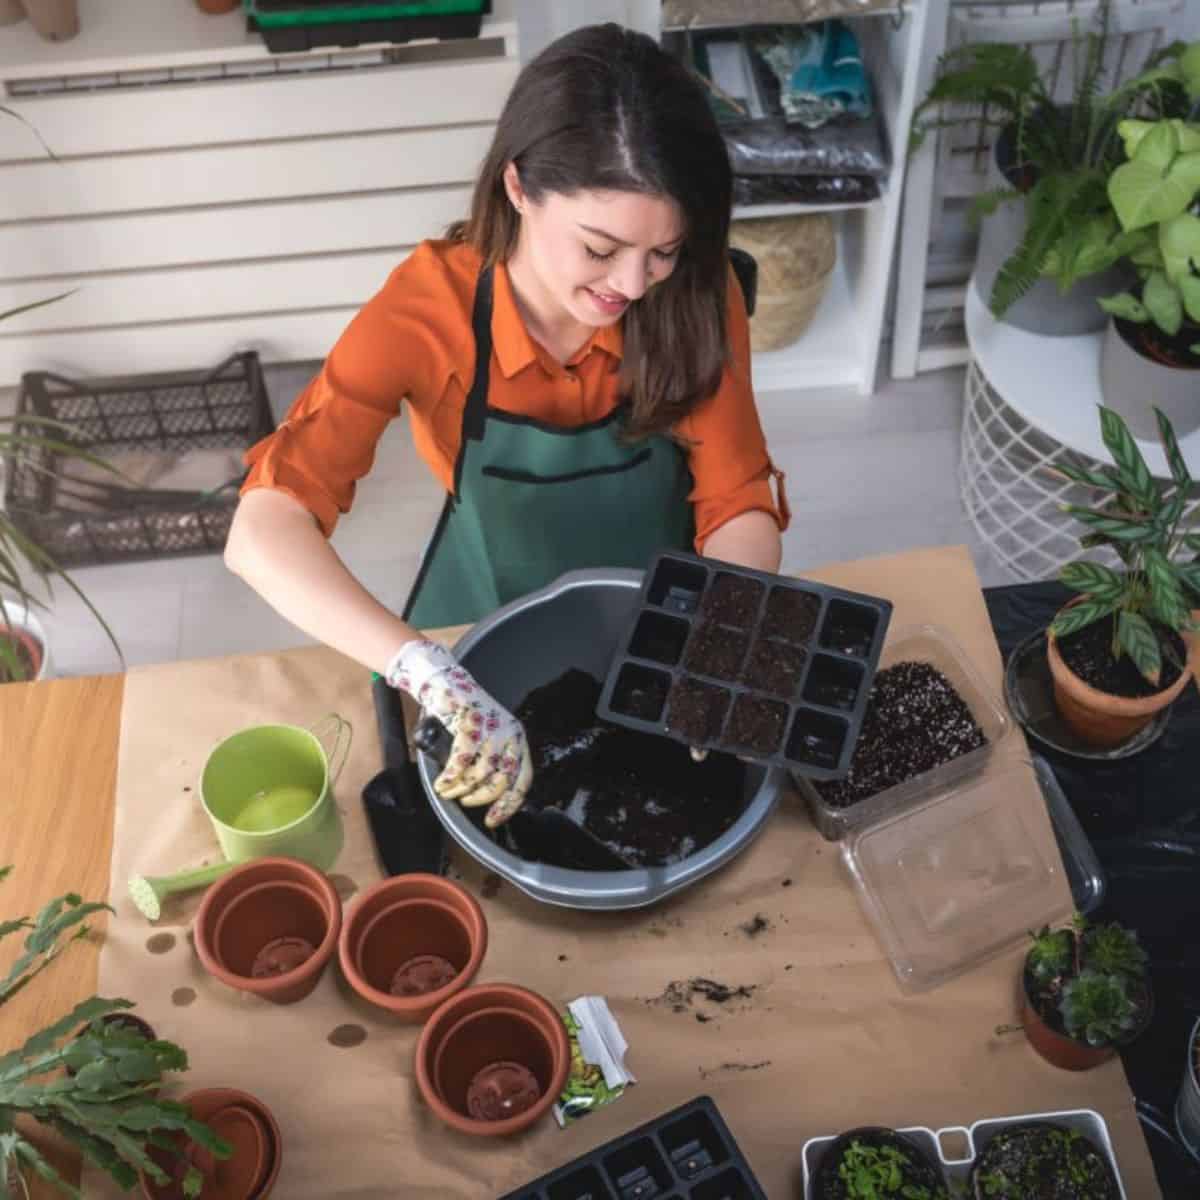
column 575, row 359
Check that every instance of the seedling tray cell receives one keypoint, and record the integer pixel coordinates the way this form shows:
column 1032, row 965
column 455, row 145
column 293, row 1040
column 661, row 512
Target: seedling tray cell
column 774, row 669
column 685, row 1154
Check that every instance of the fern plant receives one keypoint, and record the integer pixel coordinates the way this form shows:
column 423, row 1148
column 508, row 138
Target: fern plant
column 1063, row 152
column 1142, row 521
column 108, row 1109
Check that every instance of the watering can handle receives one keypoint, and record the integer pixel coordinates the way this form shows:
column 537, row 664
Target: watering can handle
column 341, row 731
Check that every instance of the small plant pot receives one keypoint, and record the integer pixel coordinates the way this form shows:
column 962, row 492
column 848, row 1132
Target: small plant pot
column 1132, row 381
column 269, row 928
column 411, row 942
column 493, row 1059
column 923, row 1172
column 1187, row 1109
column 1073, row 1166
column 247, row 1124
column 1099, row 718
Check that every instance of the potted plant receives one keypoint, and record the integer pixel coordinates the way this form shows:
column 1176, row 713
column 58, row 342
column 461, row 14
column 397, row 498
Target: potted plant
column 107, row 1108
column 1117, row 652
column 1040, row 1159
column 1084, row 992
column 1049, row 246
column 1152, row 344
column 1187, row 1110
column 874, row 1164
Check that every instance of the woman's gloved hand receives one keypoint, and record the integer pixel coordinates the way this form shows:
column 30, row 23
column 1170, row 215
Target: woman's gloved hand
column 489, row 761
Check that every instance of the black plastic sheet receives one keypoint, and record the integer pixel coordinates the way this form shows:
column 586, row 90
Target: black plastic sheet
column 807, row 189
column 1142, row 816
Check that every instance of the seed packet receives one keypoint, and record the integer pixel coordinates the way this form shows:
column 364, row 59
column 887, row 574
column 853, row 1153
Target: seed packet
column 598, row 1072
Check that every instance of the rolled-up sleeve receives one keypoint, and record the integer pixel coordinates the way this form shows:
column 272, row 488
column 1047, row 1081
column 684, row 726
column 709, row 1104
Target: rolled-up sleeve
column 389, row 352
column 731, row 469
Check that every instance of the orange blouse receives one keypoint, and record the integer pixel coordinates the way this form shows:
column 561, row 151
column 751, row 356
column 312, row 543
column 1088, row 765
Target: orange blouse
column 412, row 341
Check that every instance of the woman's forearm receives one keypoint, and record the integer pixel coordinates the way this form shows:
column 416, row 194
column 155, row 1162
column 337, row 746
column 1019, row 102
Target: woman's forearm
column 276, row 546
column 751, row 539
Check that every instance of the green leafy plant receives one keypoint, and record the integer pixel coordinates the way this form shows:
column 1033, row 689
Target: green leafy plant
column 878, row 1172
column 20, row 556
column 109, row 1108
column 1041, row 1160
column 1142, row 521
column 1155, row 196
column 1092, row 976
column 1063, row 153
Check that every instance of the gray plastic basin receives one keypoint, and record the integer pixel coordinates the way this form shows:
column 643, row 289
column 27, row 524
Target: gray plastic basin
column 577, row 622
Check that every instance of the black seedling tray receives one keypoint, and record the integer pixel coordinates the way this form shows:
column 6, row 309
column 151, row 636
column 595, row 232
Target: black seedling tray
column 714, row 647
column 686, row 1154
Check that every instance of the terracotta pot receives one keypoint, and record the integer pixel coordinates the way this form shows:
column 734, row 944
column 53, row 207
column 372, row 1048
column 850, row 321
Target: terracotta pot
column 11, row 12
column 26, row 646
column 1099, row 718
column 411, row 942
column 1067, row 1052
column 55, row 20
column 243, row 1121
column 491, row 1048
column 218, row 6
column 269, row 927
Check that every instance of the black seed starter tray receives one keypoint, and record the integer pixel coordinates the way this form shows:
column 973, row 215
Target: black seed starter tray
column 774, row 669
column 686, row 1154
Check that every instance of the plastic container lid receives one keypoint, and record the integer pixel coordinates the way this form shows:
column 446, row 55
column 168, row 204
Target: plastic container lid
column 1084, row 872
column 955, row 880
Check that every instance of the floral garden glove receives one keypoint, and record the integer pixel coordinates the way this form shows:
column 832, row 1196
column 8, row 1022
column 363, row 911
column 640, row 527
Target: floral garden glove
column 489, row 761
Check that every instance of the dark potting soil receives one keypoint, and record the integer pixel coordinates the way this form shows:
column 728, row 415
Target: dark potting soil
column 733, row 600
column 716, row 651
column 281, row 955
column 914, row 721
column 757, row 724
column 696, row 710
column 791, row 614
column 1089, row 654
column 1040, row 1161
column 919, row 1174
column 1166, row 349
column 640, row 794
column 774, row 667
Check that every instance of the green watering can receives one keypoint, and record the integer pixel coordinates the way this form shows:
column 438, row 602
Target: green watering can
column 268, row 790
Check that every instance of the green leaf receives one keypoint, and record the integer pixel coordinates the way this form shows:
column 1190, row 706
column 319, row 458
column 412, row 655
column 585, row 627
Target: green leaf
column 1175, row 459
column 986, row 203
column 1158, row 146
column 1117, row 528
column 1131, row 466
column 1126, row 306
column 1189, row 65
column 13, row 312
column 1165, row 592
column 1094, row 579
column 1079, row 616
column 1137, row 639
column 1189, row 289
column 1163, row 303
column 1189, row 573
column 1179, row 242
column 1082, row 475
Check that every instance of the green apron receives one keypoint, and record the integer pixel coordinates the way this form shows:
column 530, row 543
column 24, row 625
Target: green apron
column 533, row 500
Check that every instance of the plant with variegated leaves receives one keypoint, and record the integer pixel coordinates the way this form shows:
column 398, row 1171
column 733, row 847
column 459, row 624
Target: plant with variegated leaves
column 1142, row 521
column 108, row 1109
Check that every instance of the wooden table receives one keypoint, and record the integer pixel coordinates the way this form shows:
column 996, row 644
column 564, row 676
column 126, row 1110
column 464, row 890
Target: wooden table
column 58, row 765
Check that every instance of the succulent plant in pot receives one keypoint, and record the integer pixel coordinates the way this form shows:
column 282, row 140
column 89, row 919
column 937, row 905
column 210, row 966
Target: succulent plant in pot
column 1152, row 344
column 1118, row 653
column 1050, row 245
column 107, row 1109
column 1084, row 993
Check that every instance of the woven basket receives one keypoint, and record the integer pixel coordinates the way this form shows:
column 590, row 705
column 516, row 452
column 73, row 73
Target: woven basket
column 795, row 257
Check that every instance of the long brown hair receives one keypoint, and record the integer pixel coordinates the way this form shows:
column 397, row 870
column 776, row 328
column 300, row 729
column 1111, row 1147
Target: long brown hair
column 604, row 108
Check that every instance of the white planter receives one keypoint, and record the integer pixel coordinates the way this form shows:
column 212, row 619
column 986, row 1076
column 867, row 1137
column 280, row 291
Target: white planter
column 22, row 618
column 1187, row 1111
column 1131, row 383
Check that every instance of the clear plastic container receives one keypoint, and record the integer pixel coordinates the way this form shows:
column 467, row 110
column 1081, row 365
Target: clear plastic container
column 932, row 645
column 952, row 881
column 1084, row 872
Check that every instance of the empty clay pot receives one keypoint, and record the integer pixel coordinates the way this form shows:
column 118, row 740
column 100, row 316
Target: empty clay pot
column 269, row 927
column 412, row 941
column 493, row 1059
column 242, row 1120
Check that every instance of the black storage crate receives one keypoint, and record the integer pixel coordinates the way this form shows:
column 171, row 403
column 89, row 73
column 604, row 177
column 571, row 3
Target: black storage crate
column 686, row 1154
column 174, row 411
column 298, row 37
column 721, row 657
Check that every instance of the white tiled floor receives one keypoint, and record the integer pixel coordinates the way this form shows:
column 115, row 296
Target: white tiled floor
column 866, row 475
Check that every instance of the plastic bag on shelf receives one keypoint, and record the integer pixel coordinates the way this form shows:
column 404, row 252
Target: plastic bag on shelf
column 805, row 189
column 764, row 12
column 848, row 146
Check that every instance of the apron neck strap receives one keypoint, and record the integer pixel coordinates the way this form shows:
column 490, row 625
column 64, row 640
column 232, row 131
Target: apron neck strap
column 475, row 411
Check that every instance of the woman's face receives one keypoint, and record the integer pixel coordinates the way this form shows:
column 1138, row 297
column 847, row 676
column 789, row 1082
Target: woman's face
column 594, row 253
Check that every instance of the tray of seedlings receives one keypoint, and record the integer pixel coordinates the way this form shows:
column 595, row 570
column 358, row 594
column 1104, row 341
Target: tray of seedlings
column 685, row 1154
column 1051, row 1156
column 774, row 669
